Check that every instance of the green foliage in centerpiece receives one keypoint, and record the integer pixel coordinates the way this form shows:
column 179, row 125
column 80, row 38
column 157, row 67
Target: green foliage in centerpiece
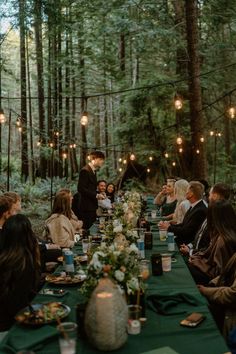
column 119, row 263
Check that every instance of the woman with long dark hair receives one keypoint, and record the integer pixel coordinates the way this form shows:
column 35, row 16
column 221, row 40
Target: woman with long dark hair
column 208, row 264
column 222, row 297
column 19, row 268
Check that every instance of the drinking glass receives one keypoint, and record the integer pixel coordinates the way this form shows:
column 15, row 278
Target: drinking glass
column 68, row 336
column 85, row 245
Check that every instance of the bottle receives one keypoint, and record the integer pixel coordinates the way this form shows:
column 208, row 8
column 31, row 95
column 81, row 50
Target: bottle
column 171, row 241
column 156, row 264
column 140, row 243
column 148, row 240
column 69, row 262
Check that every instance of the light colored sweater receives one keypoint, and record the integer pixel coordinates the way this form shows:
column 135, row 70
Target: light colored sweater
column 61, row 230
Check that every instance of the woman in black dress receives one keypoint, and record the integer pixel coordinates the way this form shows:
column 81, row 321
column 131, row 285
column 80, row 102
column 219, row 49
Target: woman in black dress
column 19, row 268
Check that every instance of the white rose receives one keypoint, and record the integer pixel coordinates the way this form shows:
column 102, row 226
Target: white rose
column 119, row 275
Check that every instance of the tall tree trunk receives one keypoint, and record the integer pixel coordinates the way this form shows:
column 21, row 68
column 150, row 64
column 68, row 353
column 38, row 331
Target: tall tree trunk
column 199, row 168
column 23, row 89
column 83, row 105
column 31, row 150
column 40, row 84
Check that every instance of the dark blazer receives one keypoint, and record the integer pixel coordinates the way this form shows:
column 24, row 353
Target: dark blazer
column 185, row 232
column 87, row 188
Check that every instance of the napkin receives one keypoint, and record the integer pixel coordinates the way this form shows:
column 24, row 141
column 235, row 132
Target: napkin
column 172, row 304
column 36, row 337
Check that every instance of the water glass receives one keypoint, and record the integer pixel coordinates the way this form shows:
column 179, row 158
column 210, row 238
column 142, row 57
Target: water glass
column 85, row 245
column 163, row 234
column 166, row 262
column 134, row 314
column 144, row 269
column 68, row 337
column 153, row 214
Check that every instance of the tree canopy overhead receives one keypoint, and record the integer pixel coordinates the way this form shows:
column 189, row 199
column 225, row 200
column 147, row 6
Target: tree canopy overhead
column 124, row 62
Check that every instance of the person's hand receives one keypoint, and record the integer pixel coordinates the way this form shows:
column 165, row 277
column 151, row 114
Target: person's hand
column 201, row 288
column 100, row 196
column 163, row 225
column 184, row 249
column 53, row 246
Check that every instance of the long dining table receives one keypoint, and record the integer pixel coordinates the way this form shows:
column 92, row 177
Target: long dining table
column 160, row 334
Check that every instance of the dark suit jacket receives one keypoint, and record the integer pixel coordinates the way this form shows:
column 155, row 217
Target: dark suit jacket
column 193, row 219
column 87, row 188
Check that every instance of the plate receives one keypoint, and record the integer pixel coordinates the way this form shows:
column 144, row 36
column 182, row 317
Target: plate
column 42, row 314
column 58, row 279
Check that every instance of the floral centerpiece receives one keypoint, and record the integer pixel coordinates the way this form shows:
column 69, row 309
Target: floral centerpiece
column 122, row 265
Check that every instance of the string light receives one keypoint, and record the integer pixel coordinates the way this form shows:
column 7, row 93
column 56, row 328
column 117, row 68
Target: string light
column 178, row 102
column 202, row 139
column 150, row 158
column 38, row 143
column 2, row 116
column 120, row 169
column 74, row 146
column 64, row 155
column 211, row 133
column 148, row 170
column 180, row 150
column 197, row 151
column 124, row 162
column 120, row 159
column 132, row 157
column 179, row 141
column 71, row 146
column 84, row 118
column 173, row 163
column 18, row 122
column 51, row 145
column 56, row 133
column 166, row 155
column 232, row 112
column 20, row 129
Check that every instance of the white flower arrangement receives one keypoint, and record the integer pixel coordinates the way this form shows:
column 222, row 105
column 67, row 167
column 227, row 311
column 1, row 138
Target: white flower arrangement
column 121, row 266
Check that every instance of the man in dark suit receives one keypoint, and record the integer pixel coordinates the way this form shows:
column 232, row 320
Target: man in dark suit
column 194, row 217
column 87, row 189
column 220, row 191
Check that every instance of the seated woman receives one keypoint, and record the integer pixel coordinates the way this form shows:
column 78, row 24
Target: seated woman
column 222, row 297
column 19, row 268
column 208, row 264
column 166, row 199
column 62, row 225
column 183, row 204
column 110, row 192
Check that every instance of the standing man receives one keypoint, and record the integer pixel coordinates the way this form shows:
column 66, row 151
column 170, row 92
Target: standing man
column 87, row 189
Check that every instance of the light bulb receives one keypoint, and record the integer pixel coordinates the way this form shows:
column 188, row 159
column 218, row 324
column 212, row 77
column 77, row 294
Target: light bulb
column 178, row 102
column 148, row 170
column 179, row 140
column 232, row 112
column 180, row 150
column 84, row 118
column 2, row 116
column 202, row 139
column 166, row 155
column 150, row 158
column 173, row 163
column 132, row 157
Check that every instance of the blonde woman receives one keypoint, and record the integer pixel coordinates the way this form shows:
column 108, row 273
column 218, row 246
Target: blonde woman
column 62, row 224
column 180, row 189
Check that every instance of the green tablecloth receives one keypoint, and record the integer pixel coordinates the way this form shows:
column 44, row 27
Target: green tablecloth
column 159, row 330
